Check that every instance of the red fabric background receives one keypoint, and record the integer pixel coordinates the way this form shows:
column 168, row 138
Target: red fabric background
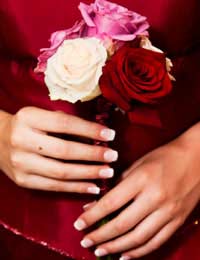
column 25, row 27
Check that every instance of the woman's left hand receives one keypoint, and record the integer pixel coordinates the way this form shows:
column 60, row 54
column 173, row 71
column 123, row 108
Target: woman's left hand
column 157, row 194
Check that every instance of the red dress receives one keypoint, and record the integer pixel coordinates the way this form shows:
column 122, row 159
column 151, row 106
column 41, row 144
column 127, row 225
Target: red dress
column 47, row 218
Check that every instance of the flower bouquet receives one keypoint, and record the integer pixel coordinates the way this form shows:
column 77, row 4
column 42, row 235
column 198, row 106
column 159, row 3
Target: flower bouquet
column 108, row 53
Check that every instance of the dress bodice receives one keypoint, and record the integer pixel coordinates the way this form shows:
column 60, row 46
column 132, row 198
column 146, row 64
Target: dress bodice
column 25, row 27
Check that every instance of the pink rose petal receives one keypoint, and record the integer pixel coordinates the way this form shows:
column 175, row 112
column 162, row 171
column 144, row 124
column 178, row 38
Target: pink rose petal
column 115, row 21
column 57, row 38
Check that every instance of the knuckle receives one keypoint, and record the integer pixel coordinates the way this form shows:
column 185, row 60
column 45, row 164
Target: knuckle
column 99, row 153
column 81, row 188
column 109, row 204
column 173, row 208
column 15, row 138
column 144, row 177
column 67, row 151
column 148, row 172
column 106, row 204
column 94, row 153
column 136, row 241
column 120, row 226
column 20, row 180
column 93, row 128
column 22, row 113
column 76, row 189
column 62, row 175
column 160, row 195
column 113, row 247
column 54, row 186
column 15, row 160
column 59, row 172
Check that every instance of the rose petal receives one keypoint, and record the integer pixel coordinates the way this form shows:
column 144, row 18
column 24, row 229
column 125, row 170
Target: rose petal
column 115, row 21
column 57, row 38
column 73, row 72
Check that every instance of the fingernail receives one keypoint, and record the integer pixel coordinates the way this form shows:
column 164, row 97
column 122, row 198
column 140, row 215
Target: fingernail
column 108, row 134
column 94, row 190
column 87, row 243
column 88, row 205
column 106, row 173
column 125, row 174
column 125, row 258
column 100, row 252
column 80, row 225
column 111, row 156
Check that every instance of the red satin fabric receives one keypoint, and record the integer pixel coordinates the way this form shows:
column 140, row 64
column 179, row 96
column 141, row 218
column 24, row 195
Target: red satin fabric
column 47, row 218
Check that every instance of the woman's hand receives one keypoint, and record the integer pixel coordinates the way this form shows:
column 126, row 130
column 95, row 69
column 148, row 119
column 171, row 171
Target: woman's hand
column 157, row 194
column 29, row 156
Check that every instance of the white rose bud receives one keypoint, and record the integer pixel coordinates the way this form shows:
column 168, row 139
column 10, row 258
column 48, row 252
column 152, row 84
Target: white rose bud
column 146, row 44
column 73, row 72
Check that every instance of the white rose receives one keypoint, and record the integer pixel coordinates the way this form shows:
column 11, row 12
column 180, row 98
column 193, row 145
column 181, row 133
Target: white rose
column 73, row 72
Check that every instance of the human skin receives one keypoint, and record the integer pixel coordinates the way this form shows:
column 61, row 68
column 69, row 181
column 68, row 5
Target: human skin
column 33, row 158
column 161, row 190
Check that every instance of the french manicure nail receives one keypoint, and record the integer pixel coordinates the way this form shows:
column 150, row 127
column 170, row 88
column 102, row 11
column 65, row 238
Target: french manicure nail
column 108, row 134
column 87, row 243
column 100, row 252
column 111, row 156
column 80, row 225
column 87, row 205
column 125, row 258
column 106, row 173
column 94, row 190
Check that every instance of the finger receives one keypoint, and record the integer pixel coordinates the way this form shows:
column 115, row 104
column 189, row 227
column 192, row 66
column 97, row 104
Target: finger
column 36, row 164
column 67, row 150
column 46, row 184
column 111, row 202
column 138, row 210
column 144, row 231
column 58, row 122
column 132, row 168
column 154, row 243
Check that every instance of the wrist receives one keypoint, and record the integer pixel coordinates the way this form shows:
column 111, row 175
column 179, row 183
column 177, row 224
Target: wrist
column 190, row 140
column 190, row 144
column 4, row 119
column 3, row 115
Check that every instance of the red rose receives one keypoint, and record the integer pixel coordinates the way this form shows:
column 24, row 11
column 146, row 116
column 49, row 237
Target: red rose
column 135, row 74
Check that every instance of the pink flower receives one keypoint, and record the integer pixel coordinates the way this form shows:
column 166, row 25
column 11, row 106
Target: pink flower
column 105, row 19
column 57, row 38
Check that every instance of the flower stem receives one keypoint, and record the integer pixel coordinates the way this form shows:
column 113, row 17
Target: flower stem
column 104, row 109
column 105, row 258
column 108, row 257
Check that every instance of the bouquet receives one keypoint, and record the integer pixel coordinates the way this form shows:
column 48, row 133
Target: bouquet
column 108, row 56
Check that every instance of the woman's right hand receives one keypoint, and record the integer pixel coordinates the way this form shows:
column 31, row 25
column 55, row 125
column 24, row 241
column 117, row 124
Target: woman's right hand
column 32, row 158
